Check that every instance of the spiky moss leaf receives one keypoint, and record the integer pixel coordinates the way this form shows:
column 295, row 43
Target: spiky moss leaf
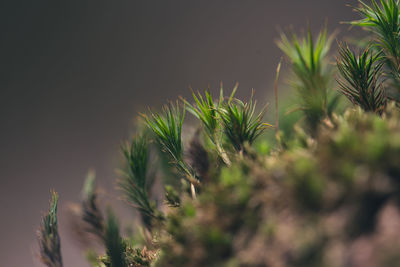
column 89, row 186
column 382, row 18
column 206, row 110
column 136, row 155
column 241, row 124
column 92, row 214
column 362, row 81
column 115, row 245
column 49, row 239
column 167, row 129
column 136, row 181
column 309, row 59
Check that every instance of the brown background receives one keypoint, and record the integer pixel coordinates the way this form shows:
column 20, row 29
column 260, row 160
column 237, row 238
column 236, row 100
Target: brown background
column 73, row 74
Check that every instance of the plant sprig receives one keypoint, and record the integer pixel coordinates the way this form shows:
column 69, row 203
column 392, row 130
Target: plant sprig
column 361, row 79
column 115, row 245
column 49, row 239
column 135, row 181
column 383, row 20
column 91, row 212
column 241, row 123
column 208, row 112
column 167, row 128
column 309, row 63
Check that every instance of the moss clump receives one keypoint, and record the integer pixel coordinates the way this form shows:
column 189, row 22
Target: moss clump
column 324, row 190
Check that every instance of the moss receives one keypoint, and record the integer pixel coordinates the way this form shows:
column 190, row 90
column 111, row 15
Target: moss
column 319, row 191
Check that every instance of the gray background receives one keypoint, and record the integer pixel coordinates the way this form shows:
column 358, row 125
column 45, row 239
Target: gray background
column 73, row 74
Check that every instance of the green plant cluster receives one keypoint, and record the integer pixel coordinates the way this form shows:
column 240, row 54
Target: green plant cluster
column 304, row 206
column 322, row 190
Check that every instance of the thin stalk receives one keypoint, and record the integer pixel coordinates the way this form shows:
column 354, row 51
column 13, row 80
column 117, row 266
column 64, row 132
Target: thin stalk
column 278, row 70
column 193, row 191
column 221, row 152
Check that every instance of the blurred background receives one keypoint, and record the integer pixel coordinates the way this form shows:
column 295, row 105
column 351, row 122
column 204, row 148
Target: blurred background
column 74, row 74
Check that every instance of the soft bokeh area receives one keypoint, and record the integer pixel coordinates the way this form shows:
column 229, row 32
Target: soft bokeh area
column 74, row 74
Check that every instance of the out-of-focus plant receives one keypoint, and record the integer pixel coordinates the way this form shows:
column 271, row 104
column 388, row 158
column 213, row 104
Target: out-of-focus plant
column 115, row 245
column 361, row 79
column 49, row 239
column 119, row 251
column 309, row 59
column 135, row 181
column 91, row 213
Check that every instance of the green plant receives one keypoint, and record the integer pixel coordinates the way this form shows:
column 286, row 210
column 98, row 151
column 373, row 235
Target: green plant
column 135, row 181
column 362, row 81
column 208, row 112
column 321, row 195
column 49, row 239
column 384, row 22
column 313, row 75
column 115, row 245
column 168, row 132
column 91, row 212
column 241, row 123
